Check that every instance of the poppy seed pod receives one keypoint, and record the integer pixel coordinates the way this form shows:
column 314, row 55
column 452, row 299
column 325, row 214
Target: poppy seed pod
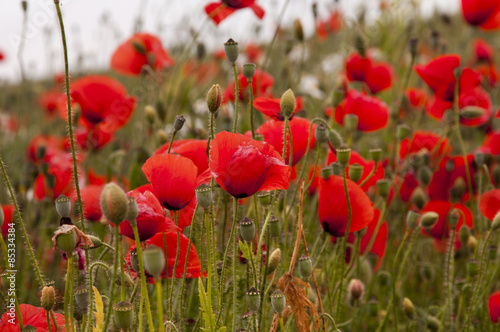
column 355, row 172
column 204, row 196
column 264, row 197
column 287, row 103
column 82, row 297
column 150, row 114
column 428, row 219
column 48, row 298
column 66, row 242
column 336, row 168
column 463, row 234
column 338, row 97
column 412, row 219
column 278, row 301
column 63, row 206
column 232, row 50
column 214, row 98
column 154, row 261
column 321, row 134
column 343, row 156
column 133, row 209
column 454, row 217
column 274, row 226
column 305, row 266
column 425, row 175
column 383, row 187
column 114, row 203
column 298, row 30
column 247, row 229
column 326, row 172
column 473, row 268
column 248, row 71
column 408, row 308
column 253, row 299
column 472, row 112
column 335, row 139
column 351, row 122
column 376, row 154
column 496, row 222
column 123, row 315
column 179, row 122
column 274, row 261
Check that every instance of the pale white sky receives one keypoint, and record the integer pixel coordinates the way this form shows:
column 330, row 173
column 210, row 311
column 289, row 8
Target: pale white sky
column 91, row 39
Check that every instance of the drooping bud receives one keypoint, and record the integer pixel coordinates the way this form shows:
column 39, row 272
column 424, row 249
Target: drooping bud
column 375, row 154
column 343, row 156
column 253, row 299
column 48, row 298
column 114, row 203
column 288, row 103
column 274, row 261
column 204, row 196
column 429, row 219
column 232, row 50
column 214, row 98
column 82, row 297
column 335, row 139
column 274, row 226
column 123, row 315
column 249, row 71
column 305, row 266
column 355, row 172
column 154, row 261
column 408, row 308
column 179, row 122
column 278, row 301
column 63, row 206
column 321, row 133
column 247, row 229
column 383, row 187
column 412, row 219
column 298, row 30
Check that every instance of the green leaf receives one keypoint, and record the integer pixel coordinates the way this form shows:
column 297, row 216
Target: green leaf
column 245, row 251
column 208, row 316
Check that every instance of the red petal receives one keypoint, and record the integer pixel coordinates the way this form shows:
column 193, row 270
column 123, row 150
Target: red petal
column 494, row 306
column 489, row 205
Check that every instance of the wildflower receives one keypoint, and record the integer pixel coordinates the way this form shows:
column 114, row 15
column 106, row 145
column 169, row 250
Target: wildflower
column 218, row 11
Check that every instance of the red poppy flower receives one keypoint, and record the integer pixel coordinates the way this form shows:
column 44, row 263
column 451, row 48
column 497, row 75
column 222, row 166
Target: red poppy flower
column 427, row 140
column 253, row 52
column 439, row 75
column 488, row 72
column 185, row 216
column 332, row 207
column 373, row 113
column 272, row 130
column 8, row 212
column 50, row 145
column 193, row 266
column 173, row 178
column 58, row 180
column 91, row 199
column 483, row 51
column 33, row 316
column 376, row 75
column 193, row 149
column 2, row 56
column 271, row 107
column 49, row 100
column 139, row 50
column 489, row 205
column 243, row 166
column 93, row 138
column 332, row 24
column 218, row 11
column 409, row 184
column 450, row 169
column 416, row 97
column 484, row 13
column 492, row 143
column 103, row 101
column 261, row 85
column 441, row 229
column 494, row 306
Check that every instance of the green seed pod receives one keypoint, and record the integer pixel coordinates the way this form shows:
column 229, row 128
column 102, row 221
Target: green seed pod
column 479, row 159
column 123, row 314
column 355, row 172
column 249, row 71
column 326, row 172
column 402, row 131
column 463, row 234
column 179, row 122
column 496, row 222
column 274, row 226
column 134, row 260
column 305, row 266
column 419, row 198
column 425, row 175
column 278, row 301
column 204, row 196
column 154, row 261
column 433, row 323
column 338, row 97
column 336, row 168
column 247, row 229
column 321, row 134
column 412, row 219
column 373, row 307
column 66, row 242
column 351, row 122
column 428, row 219
column 253, row 299
column 214, row 98
column 454, row 217
column 63, row 206
column 343, row 156
column 335, row 139
column 82, row 297
column 48, row 298
column 288, row 103
column 232, row 50
column 264, row 198
column 274, row 261
column 383, row 187
column 376, row 154
column 114, row 203
column 408, row 308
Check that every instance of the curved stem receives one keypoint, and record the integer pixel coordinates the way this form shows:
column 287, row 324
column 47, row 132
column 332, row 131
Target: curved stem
column 10, row 266
column 236, row 96
column 331, row 319
column 113, row 279
column 395, row 280
column 369, row 175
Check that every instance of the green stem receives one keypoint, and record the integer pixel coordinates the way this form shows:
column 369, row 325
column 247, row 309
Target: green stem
column 450, row 266
column 254, row 270
column 236, row 97
column 395, row 280
column 209, row 259
column 48, row 321
column 113, row 279
column 159, row 304
column 252, row 128
column 318, row 154
column 122, row 264
column 369, row 175
column 235, row 256
column 171, row 141
column 66, row 292
column 174, row 273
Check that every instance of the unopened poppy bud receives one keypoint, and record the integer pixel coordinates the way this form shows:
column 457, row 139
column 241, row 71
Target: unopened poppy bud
column 496, row 222
column 355, row 172
column 150, row 114
column 264, row 198
column 2, row 217
column 463, row 234
column 458, row 188
column 413, row 46
column 274, row 226
column 351, row 122
column 359, row 43
column 66, row 242
column 274, row 261
column 82, row 297
column 247, row 229
column 419, row 198
column 355, row 290
column 305, row 266
column 123, row 315
column 162, row 136
column 412, row 219
column 472, row 243
column 95, row 241
column 288, row 103
column 338, row 97
column 479, row 158
column 425, row 175
column 336, row 168
column 154, row 261
column 24, row 5
column 179, row 122
column 402, row 131
column 429, row 219
column 454, row 217
column 204, row 196
column 114, row 203
column 232, row 50
column 383, row 187
column 278, row 301
column 248, row 71
column 362, row 232
column 63, row 206
column 214, row 98
column 48, row 298
column 471, row 112
column 335, row 139
column 408, row 308
column 321, row 133
column 326, row 172
column 298, row 30
column 139, row 46
column 472, row 268
column 343, row 156
column 132, row 209
column 253, row 299
column 375, row 154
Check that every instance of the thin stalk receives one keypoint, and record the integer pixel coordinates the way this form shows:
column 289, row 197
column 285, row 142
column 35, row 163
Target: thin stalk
column 318, row 154
column 171, row 141
column 236, row 97
column 66, row 293
column 395, row 281
column 252, row 128
column 91, row 302
column 174, row 273
column 48, row 321
column 209, row 259
column 254, row 270
column 235, row 256
column 113, row 279
column 450, row 267
column 122, row 271
column 159, row 304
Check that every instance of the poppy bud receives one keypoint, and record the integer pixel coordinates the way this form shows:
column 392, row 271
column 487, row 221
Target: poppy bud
column 355, row 290
column 425, row 175
column 408, row 308
column 471, row 112
column 162, row 136
column 454, row 217
column 2, row 216
column 326, row 172
column 274, row 226
column 231, row 49
column 479, row 158
column 253, row 299
column 134, row 260
column 496, row 222
column 359, row 43
column 63, row 206
column 204, row 196
column 428, row 219
column 30, row 328
column 412, row 219
column 419, row 198
column 139, row 47
column 154, row 261
column 473, row 268
column 66, row 242
column 362, row 232
column 463, row 234
column 338, row 97
column 274, row 261
column 123, row 315
column 321, row 134
column 298, row 31
column 179, row 122
column 214, row 98
column 458, row 188
column 132, row 209
column 343, row 156
column 48, row 298
column 24, row 5
column 82, row 297
column 288, row 103
column 264, row 198
column 150, row 114
column 305, row 266
column 278, row 301
column 95, row 241
column 375, row 154
column 402, row 131
column 114, row 203
column 413, row 47
column 492, row 252
column 355, row 172
column 383, row 187
column 336, row 168
column 472, row 243
column 351, row 122
column 247, row 229
column 249, row 71
column 201, row 51
column 335, row 139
